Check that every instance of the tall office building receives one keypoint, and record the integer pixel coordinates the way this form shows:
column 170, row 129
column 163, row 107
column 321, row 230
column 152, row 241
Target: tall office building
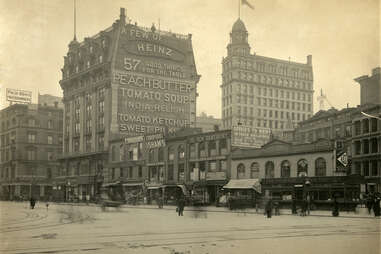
column 263, row 92
column 125, row 81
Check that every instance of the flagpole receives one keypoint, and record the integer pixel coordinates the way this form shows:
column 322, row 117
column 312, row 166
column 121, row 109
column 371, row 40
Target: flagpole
column 239, row 9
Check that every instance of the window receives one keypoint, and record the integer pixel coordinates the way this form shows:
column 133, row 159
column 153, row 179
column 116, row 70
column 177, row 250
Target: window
column 192, row 150
column 50, row 124
column 181, row 152
column 88, row 144
column 31, row 138
column 254, row 170
column 49, row 173
column 151, row 155
column 240, row 171
column 223, row 165
column 366, row 146
column 31, row 122
column 285, row 169
column 101, row 106
column 374, row 145
column 365, row 126
column 50, row 140
column 113, row 153
column 202, row 149
column 31, row 155
column 320, row 167
column 302, row 167
column 76, row 145
column 171, row 153
column 50, row 156
column 269, row 169
column 181, row 173
column 373, row 124
column 131, row 172
column 101, row 142
column 212, row 148
column 140, row 172
column 170, row 172
column 223, row 146
column 161, row 154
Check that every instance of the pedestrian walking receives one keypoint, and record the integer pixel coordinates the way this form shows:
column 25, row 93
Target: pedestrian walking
column 293, row 207
column 376, row 205
column 369, row 202
column 269, row 208
column 32, row 202
column 276, row 208
column 335, row 209
column 180, row 206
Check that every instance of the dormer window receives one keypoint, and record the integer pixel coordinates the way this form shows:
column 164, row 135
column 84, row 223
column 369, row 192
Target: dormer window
column 76, row 68
column 88, row 64
column 100, row 59
column 79, row 54
column 91, row 49
column 103, row 43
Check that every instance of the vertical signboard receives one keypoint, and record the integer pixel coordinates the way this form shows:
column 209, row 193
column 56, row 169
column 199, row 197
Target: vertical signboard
column 247, row 136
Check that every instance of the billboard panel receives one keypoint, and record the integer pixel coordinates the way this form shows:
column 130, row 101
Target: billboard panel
column 156, row 82
column 248, row 136
column 19, row 96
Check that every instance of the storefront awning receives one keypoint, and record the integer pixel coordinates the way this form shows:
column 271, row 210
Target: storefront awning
column 244, row 184
column 132, row 184
column 182, row 187
column 110, row 184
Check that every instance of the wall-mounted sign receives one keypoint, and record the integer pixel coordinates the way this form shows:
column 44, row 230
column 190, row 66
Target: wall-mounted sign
column 19, row 96
column 247, row 136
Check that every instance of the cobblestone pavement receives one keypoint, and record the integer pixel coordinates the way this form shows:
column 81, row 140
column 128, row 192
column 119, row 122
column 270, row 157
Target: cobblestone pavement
column 86, row 229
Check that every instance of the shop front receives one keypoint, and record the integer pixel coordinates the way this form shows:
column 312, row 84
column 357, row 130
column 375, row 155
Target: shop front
column 134, row 193
column 241, row 193
column 318, row 192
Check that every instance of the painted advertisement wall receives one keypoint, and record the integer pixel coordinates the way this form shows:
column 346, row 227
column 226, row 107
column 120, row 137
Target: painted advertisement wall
column 156, row 80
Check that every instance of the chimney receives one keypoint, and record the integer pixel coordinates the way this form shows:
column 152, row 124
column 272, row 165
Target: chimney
column 376, row 71
column 123, row 15
column 309, row 60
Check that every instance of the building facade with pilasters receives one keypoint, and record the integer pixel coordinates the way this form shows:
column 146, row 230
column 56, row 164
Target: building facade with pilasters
column 30, row 142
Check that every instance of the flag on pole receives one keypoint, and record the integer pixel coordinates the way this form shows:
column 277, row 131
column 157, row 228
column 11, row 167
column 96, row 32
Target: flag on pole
column 246, row 2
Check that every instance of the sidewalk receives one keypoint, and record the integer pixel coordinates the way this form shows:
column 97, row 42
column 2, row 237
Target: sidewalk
column 362, row 214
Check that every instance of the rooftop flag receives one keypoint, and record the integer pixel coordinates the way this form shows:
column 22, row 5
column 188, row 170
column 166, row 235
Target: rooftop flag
column 246, row 2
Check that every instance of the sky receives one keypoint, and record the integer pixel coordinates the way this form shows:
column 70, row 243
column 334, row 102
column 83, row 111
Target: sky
column 343, row 37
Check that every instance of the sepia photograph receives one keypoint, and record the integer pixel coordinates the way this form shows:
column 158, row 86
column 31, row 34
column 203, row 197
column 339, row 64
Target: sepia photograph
column 190, row 126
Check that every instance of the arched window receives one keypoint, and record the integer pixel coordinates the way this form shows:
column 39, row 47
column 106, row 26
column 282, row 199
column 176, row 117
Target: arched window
column 302, row 167
column 171, row 153
column 285, row 169
column 254, row 170
column 240, row 171
column 269, row 169
column 181, row 152
column 320, row 167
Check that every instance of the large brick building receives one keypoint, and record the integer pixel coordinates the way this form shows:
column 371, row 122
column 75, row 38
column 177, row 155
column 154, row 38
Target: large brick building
column 30, row 142
column 127, row 80
column 261, row 91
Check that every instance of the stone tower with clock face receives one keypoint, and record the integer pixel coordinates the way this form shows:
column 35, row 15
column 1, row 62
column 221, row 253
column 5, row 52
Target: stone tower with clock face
column 238, row 45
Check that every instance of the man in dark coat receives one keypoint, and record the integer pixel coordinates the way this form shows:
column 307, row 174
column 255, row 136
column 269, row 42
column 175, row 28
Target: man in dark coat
column 32, row 202
column 376, row 205
column 181, row 205
column 335, row 210
column 269, row 208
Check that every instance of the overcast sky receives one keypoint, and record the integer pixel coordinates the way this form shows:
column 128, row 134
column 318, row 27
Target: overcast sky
column 343, row 36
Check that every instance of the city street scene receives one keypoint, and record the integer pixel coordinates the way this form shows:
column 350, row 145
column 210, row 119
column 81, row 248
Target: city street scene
column 190, row 127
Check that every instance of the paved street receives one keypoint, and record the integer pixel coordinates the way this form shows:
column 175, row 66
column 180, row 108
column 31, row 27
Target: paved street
column 86, row 229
